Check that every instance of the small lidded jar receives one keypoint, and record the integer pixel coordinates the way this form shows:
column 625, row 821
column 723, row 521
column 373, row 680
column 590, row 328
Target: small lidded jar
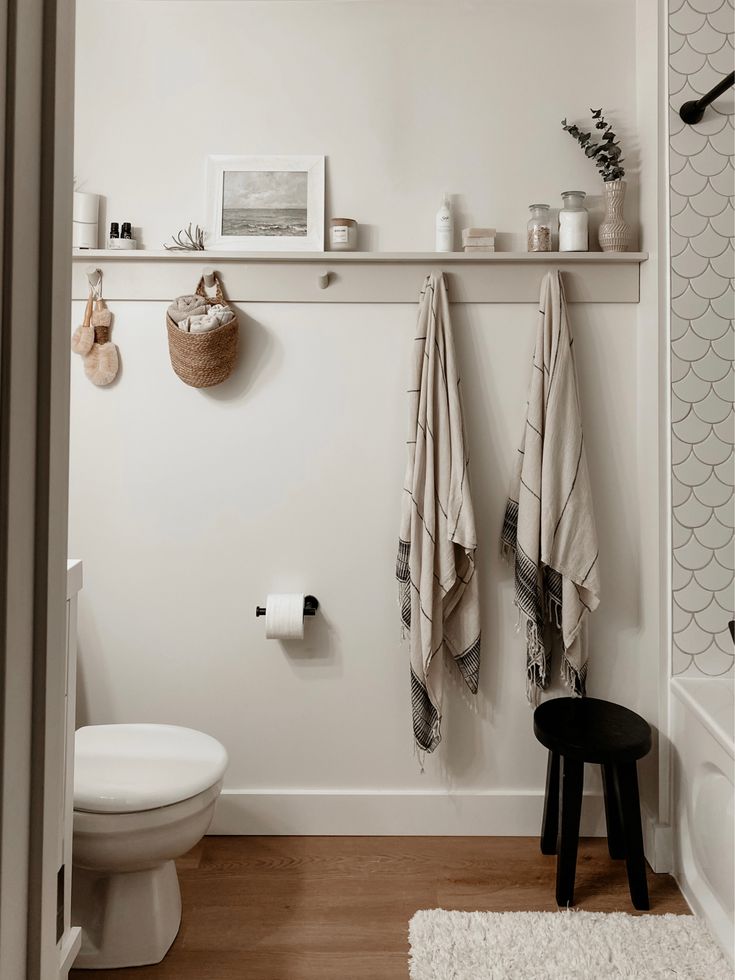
column 342, row 234
column 539, row 228
column 573, row 223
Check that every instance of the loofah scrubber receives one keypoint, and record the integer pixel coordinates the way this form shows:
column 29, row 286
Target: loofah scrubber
column 83, row 337
column 102, row 362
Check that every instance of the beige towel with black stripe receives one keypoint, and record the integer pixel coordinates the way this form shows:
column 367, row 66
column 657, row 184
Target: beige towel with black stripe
column 549, row 524
column 440, row 607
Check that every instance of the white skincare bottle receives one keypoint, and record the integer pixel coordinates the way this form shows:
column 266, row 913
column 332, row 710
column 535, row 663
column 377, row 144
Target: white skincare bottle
column 444, row 227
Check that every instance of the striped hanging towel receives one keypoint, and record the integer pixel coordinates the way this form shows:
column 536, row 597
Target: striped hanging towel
column 549, row 525
column 439, row 600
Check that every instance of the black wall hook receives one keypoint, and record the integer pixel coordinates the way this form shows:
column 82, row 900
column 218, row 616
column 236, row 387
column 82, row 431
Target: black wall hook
column 311, row 604
column 692, row 112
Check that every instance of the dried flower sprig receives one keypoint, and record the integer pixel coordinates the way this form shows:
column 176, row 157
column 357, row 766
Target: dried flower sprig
column 607, row 153
column 187, row 240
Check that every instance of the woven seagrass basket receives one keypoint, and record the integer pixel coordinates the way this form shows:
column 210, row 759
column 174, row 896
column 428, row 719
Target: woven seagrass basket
column 203, row 360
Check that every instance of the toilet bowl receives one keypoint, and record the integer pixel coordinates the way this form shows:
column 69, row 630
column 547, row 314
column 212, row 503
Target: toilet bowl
column 143, row 796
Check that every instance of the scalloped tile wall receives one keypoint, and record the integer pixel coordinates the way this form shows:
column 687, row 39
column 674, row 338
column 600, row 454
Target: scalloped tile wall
column 701, row 191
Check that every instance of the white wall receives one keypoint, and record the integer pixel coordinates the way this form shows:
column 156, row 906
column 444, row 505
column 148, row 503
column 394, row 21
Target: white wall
column 189, row 506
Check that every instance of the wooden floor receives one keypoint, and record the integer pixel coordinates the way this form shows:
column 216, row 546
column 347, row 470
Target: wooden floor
column 337, row 908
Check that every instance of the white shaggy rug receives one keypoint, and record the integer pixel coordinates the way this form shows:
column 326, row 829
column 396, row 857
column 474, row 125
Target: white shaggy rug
column 562, row 946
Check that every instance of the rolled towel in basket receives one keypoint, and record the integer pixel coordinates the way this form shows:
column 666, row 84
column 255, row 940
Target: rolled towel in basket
column 204, row 322
column 186, row 306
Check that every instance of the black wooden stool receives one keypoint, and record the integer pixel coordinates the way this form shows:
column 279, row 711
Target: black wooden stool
column 579, row 730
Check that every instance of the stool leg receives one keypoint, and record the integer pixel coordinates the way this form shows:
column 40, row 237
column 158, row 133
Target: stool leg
column 572, row 781
column 550, row 823
column 613, row 819
column 627, row 778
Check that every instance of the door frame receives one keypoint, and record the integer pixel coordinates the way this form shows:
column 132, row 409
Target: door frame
column 36, row 110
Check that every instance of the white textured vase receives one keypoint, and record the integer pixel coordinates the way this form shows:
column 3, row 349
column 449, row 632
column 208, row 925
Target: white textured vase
column 614, row 231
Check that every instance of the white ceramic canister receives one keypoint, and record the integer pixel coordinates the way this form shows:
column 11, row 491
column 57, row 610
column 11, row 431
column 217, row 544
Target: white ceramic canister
column 573, row 223
column 342, row 234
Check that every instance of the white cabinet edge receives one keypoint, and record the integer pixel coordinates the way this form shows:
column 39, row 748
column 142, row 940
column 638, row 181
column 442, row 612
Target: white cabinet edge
column 74, row 578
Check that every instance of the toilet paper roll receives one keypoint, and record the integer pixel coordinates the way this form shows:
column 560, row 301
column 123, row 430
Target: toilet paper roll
column 284, row 616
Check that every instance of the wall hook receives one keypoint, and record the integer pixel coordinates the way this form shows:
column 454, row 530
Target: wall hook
column 208, row 275
column 324, row 280
column 94, row 278
column 692, row 112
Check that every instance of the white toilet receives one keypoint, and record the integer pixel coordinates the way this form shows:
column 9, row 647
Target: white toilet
column 143, row 795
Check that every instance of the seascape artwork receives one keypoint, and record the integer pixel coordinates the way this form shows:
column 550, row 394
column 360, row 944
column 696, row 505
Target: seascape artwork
column 264, row 203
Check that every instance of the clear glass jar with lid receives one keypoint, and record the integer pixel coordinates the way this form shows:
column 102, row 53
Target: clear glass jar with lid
column 539, row 228
column 573, row 223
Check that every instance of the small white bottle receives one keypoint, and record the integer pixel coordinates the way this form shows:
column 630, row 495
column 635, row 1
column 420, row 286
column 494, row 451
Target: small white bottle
column 445, row 227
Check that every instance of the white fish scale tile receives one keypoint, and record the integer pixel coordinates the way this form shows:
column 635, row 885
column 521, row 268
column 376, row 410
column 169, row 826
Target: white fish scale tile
column 714, row 536
column 681, row 663
column 701, row 180
column 693, row 389
column 708, row 161
column 686, row 61
column 710, row 326
column 724, row 264
column 689, row 305
column 721, row 61
column 723, row 222
column 722, row 141
column 692, row 514
column 714, row 577
column 691, row 346
column 688, row 263
column 692, row 429
column 723, row 305
column 712, row 493
column 724, row 182
column 708, row 242
column 687, row 20
column 713, row 450
column 724, row 389
column 693, row 555
column 680, row 578
column 693, row 639
column 711, row 367
column 705, row 6
column 714, row 662
column 721, row 19
column 712, row 408
column 724, row 346
column 709, row 285
column 713, row 619
column 693, row 598
column 707, row 202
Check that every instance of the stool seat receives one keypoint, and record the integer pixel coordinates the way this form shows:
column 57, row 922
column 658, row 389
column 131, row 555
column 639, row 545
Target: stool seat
column 579, row 730
column 592, row 730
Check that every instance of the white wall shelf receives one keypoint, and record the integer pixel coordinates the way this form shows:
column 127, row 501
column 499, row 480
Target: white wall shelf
column 361, row 277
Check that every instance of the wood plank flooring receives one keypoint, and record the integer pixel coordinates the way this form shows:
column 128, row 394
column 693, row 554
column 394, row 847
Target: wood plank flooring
column 337, row 908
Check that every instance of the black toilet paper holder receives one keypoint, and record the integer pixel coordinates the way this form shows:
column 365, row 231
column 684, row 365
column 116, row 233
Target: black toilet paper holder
column 311, row 604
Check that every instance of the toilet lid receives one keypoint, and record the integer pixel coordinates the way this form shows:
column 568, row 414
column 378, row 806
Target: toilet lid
column 130, row 768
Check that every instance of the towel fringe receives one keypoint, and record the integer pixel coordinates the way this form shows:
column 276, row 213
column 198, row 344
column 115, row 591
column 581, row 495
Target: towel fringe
column 573, row 677
column 536, row 663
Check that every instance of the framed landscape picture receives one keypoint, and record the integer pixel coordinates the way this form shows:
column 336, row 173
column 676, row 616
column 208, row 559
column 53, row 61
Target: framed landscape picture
column 266, row 203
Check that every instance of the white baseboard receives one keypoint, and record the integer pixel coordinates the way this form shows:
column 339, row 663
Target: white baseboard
column 658, row 843
column 387, row 813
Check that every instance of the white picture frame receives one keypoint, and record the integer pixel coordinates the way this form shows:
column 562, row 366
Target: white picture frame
column 265, row 203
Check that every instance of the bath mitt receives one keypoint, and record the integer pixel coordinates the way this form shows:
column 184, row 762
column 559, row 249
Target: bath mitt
column 83, row 337
column 102, row 362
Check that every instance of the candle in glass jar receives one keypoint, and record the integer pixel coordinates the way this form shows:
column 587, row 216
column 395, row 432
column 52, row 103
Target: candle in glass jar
column 343, row 234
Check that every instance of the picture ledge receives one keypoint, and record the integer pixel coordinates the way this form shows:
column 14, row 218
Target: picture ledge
column 359, row 277
column 212, row 256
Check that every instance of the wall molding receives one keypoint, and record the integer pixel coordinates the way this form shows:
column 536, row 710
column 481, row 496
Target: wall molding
column 501, row 813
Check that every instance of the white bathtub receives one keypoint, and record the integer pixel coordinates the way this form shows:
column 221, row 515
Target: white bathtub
column 703, row 747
